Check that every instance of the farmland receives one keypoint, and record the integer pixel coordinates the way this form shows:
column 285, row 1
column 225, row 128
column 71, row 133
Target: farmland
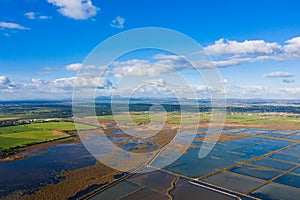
column 37, row 141
column 22, row 135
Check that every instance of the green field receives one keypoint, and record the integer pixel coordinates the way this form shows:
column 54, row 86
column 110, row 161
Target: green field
column 175, row 118
column 15, row 136
column 144, row 117
column 256, row 118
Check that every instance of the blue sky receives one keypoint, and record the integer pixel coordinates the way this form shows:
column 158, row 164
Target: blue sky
column 40, row 38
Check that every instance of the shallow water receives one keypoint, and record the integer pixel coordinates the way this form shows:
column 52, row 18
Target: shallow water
column 289, row 179
column 256, row 172
column 234, row 182
column 228, row 153
column 190, row 165
column 276, row 192
column 44, row 166
column 42, row 169
column 117, row 191
column 274, row 164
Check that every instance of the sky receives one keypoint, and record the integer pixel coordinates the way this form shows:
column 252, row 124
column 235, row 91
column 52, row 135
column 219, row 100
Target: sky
column 254, row 44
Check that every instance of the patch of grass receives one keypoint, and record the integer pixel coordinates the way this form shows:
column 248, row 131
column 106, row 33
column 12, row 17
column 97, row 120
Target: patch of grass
column 37, row 135
column 175, row 118
column 6, row 143
column 144, row 117
column 11, row 140
column 15, row 136
column 255, row 118
column 111, row 117
column 16, row 129
column 60, row 126
column 141, row 118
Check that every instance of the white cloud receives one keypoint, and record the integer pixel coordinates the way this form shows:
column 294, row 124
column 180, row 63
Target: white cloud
column 68, row 83
column 4, row 80
column 230, row 52
column 64, row 85
column 291, row 91
column 74, row 66
column 32, row 15
column 80, row 66
column 58, row 86
column 118, row 22
column 38, row 81
column 82, row 82
column 231, row 47
column 75, row 9
column 8, row 25
column 44, row 17
column 167, row 57
column 292, row 48
column 230, row 61
column 6, row 85
column 137, row 67
column 279, row 75
column 165, row 63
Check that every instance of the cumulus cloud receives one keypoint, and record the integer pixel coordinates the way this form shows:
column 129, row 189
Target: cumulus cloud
column 82, row 82
column 4, row 80
column 292, row 48
column 138, row 67
column 75, row 9
column 151, row 88
column 279, row 75
column 32, row 15
column 231, row 52
column 165, row 63
column 118, row 22
column 231, row 47
column 80, row 66
column 61, row 86
column 74, row 66
column 8, row 25
column 6, row 85
column 38, row 81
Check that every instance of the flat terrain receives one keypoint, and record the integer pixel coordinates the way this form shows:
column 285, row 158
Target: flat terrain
column 247, row 161
column 252, row 163
column 256, row 156
column 17, row 136
column 244, row 118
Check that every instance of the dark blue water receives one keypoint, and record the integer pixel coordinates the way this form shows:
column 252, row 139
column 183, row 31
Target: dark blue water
column 38, row 170
column 44, row 166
